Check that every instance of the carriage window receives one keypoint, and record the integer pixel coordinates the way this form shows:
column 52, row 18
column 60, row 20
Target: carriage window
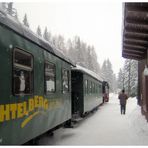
column 65, row 81
column 96, row 88
column 93, row 87
column 100, row 88
column 22, row 72
column 50, row 77
column 90, row 86
column 86, row 86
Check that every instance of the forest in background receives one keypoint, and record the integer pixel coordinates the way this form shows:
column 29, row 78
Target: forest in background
column 84, row 55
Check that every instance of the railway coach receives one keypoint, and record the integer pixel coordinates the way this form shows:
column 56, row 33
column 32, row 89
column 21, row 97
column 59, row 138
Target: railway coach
column 35, row 84
column 86, row 90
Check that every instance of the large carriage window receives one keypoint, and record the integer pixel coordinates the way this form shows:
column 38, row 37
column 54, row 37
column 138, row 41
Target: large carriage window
column 65, row 81
column 22, row 72
column 50, row 77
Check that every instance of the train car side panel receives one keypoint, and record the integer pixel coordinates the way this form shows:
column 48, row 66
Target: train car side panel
column 92, row 93
column 29, row 114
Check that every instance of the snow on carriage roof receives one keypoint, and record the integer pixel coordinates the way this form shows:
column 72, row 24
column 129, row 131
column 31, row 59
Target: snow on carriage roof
column 13, row 24
column 87, row 71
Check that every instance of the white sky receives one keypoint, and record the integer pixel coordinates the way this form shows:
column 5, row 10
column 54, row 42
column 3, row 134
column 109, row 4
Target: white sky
column 98, row 23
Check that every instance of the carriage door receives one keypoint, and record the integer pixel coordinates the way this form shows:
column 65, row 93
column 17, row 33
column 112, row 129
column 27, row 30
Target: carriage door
column 77, row 96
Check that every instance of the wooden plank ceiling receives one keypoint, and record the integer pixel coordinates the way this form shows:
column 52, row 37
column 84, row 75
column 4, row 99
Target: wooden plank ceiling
column 135, row 32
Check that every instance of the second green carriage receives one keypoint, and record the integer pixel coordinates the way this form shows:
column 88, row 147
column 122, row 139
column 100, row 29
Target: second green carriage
column 86, row 90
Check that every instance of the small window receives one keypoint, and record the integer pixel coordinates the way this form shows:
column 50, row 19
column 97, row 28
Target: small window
column 65, row 81
column 22, row 72
column 100, row 88
column 86, row 86
column 96, row 90
column 93, row 87
column 50, row 77
column 90, row 87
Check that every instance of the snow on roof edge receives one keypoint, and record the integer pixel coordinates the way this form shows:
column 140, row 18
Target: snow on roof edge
column 87, row 71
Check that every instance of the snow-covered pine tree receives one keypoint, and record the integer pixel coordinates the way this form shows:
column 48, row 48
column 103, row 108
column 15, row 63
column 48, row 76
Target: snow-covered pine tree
column 8, row 8
column 107, row 73
column 39, row 33
column 120, row 79
column 130, row 71
column 61, row 43
column 114, row 83
column 70, row 50
column 127, row 74
column 47, row 35
column 4, row 6
column 104, row 70
column 134, row 78
column 25, row 21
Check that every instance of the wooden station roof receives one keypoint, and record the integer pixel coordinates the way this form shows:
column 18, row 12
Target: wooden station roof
column 135, row 31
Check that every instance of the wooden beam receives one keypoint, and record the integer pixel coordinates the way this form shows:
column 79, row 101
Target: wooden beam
column 136, row 27
column 138, row 36
column 134, row 51
column 134, row 47
column 136, row 42
column 132, row 56
column 136, row 6
column 137, row 17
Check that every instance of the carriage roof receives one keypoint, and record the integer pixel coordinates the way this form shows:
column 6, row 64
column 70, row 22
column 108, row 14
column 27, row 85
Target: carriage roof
column 87, row 71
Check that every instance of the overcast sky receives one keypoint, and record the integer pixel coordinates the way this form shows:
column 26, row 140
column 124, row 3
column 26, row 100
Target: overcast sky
column 98, row 23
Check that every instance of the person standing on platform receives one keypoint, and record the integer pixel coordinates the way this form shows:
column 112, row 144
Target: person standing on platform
column 123, row 98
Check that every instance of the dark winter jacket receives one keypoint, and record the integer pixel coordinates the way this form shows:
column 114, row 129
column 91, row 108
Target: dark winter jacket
column 123, row 97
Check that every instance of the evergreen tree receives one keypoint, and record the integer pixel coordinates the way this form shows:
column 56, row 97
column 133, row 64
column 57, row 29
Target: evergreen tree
column 61, row 43
column 25, row 21
column 93, row 59
column 120, row 79
column 4, row 6
column 39, row 33
column 114, row 83
column 89, row 60
column 127, row 74
column 130, row 77
column 134, row 78
column 83, row 54
column 10, row 9
column 47, row 35
column 70, row 50
column 108, row 75
column 104, row 70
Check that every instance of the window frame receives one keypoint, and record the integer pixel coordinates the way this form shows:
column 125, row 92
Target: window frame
column 29, row 69
column 68, row 74
column 45, row 87
column 86, row 86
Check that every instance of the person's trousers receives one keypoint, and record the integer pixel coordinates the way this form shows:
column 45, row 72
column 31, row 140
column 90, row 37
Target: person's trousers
column 123, row 108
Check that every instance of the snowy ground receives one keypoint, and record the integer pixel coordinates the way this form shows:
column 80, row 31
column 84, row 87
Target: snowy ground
column 105, row 127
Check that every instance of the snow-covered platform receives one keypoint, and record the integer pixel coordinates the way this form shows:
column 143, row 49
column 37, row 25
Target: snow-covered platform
column 106, row 126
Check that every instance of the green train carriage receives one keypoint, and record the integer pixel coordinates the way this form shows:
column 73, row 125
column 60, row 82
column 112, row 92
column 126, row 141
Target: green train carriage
column 35, row 84
column 86, row 91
